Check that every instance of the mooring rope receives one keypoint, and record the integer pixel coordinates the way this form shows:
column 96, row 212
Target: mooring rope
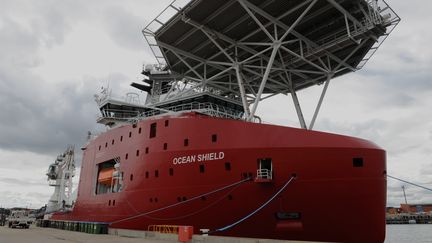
column 183, row 202
column 411, row 183
column 255, row 211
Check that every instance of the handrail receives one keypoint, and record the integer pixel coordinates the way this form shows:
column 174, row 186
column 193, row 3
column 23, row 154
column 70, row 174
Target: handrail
column 264, row 174
column 207, row 108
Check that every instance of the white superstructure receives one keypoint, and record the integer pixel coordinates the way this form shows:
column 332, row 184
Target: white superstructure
column 60, row 175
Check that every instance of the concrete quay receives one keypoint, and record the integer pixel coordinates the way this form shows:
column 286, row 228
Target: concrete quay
column 49, row 235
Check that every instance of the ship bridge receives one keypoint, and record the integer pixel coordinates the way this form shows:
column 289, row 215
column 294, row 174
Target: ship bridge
column 252, row 49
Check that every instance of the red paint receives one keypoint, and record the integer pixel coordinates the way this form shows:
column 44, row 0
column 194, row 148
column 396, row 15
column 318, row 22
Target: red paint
column 185, row 233
column 336, row 201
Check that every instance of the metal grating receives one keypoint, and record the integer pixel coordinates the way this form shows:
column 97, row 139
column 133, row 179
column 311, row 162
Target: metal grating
column 256, row 47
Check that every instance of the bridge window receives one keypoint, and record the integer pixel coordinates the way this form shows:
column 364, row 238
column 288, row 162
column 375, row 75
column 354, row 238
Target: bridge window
column 130, row 134
column 137, row 153
column 153, row 127
column 147, row 150
column 121, row 138
column 147, row 174
column 127, row 156
column 214, row 138
column 165, row 147
column 139, row 130
column 112, row 142
column 186, row 142
column 166, row 123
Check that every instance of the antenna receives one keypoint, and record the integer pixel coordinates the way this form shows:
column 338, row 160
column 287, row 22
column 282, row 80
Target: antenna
column 403, row 188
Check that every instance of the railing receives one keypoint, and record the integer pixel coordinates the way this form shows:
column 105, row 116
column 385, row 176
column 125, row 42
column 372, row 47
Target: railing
column 264, row 174
column 118, row 114
column 203, row 108
column 159, row 22
column 386, row 15
column 165, row 229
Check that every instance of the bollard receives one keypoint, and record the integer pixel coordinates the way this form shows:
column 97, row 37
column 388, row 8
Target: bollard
column 185, row 233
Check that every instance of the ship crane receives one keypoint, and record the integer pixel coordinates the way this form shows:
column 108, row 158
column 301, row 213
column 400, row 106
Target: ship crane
column 60, row 175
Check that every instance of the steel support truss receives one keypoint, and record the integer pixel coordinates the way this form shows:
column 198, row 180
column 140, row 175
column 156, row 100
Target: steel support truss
column 271, row 67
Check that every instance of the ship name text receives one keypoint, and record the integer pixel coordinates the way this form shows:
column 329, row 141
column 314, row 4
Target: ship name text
column 198, row 158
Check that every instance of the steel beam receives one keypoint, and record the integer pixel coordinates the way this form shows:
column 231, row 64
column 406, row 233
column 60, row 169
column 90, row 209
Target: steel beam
column 242, row 91
column 295, row 33
column 264, row 80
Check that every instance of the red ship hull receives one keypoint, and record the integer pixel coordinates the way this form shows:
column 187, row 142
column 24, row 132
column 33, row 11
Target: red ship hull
column 338, row 194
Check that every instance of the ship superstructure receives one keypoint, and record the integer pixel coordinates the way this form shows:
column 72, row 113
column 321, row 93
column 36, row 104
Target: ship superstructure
column 196, row 153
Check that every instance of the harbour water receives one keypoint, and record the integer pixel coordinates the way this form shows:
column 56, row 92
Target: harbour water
column 409, row 233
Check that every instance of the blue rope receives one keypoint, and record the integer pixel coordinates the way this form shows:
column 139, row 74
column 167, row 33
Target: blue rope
column 256, row 210
column 411, row 183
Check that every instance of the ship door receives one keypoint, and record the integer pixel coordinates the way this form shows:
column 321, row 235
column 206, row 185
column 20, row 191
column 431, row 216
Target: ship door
column 265, row 169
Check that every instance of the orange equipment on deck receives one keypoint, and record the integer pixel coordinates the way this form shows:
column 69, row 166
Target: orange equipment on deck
column 105, row 176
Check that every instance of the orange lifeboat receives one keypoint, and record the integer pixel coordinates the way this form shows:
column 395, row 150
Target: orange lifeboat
column 105, row 176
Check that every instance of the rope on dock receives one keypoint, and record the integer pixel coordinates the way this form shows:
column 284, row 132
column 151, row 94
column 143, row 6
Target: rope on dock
column 411, row 183
column 255, row 211
column 183, row 202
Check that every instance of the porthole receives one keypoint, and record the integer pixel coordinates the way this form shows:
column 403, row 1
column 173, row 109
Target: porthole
column 228, row 166
column 357, row 162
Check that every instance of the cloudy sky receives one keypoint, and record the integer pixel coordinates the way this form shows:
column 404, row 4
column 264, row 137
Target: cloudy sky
column 56, row 54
